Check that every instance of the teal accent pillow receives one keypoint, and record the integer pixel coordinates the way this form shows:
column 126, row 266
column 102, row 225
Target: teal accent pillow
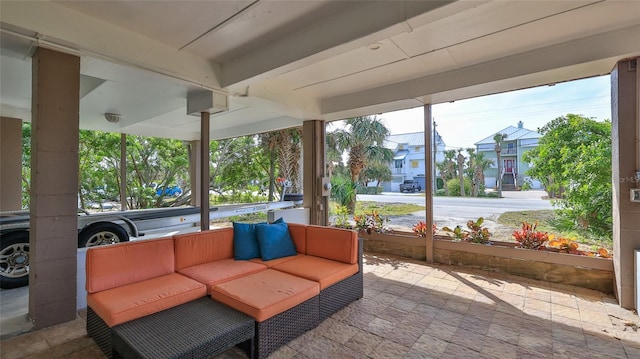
column 275, row 241
column 245, row 243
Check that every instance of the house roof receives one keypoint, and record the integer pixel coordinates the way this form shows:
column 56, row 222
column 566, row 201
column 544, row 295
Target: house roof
column 409, row 139
column 400, row 155
column 513, row 134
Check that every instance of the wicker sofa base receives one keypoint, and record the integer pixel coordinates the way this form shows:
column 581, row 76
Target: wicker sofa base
column 341, row 294
column 282, row 328
column 100, row 332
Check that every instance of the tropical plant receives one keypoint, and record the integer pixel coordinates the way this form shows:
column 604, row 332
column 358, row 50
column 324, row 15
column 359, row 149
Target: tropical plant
column 476, row 232
column 342, row 217
column 371, row 222
column 476, row 166
column 498, row 138
column 574, row 156
column 529, row 237
column 377, row 172
column 460, row 159
column 363, row 139
column 420, row 229
column 343, row 190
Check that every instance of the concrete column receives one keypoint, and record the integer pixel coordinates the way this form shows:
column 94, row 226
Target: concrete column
column 313, row 142
column 428, row 179
column 204, row 170
column 194, row 172
column 53, row 238
column 625, row 101
column 10, row 164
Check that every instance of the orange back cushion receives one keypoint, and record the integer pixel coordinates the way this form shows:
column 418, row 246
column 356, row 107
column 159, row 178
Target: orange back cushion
column 202, row 247
column 298, row 234
column 333, row 243
column 126, row 263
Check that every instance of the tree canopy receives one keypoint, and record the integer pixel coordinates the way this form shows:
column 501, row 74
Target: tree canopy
column 573, row 160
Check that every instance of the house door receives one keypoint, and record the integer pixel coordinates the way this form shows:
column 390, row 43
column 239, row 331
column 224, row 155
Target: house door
column 508, row 166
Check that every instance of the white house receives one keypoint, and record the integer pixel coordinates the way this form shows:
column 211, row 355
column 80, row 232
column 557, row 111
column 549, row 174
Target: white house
column 408, row 161
column 518, row 141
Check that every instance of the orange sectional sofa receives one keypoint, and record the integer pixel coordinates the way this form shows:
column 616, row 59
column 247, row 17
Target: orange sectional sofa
column 286, row 296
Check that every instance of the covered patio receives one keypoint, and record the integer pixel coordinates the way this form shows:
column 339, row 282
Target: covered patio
column 413, row 309
column 220, row 69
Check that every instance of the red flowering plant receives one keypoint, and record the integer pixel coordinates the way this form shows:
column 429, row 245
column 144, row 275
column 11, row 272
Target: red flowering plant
column 420, row 229
column 371, row 222
column 476, row 232
column 529, row 237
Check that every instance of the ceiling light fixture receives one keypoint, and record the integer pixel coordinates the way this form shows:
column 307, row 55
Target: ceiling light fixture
column 112, row 117
column 375, row 46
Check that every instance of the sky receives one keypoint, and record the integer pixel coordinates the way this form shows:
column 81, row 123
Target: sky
column 465, row 122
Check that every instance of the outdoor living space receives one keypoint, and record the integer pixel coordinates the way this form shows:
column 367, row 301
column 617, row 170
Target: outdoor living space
column 413, row 309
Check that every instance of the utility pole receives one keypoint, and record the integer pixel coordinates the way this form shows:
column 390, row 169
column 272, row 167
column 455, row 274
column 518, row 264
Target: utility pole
column 435, row 153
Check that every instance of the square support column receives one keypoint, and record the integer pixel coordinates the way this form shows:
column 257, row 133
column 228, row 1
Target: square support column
column 625, row 131
column 53, row 241
column 313, row 141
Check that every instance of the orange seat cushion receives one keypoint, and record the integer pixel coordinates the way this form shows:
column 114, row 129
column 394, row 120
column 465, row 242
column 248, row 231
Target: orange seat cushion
column 220, row 271
column 333, row 243
column 275, row 262
column 324, row 271
column 122, row 304
column 120, row 264
column 264, row 294
column 202, row 247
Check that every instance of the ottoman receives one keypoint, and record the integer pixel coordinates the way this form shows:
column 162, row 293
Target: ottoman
column 283, row 306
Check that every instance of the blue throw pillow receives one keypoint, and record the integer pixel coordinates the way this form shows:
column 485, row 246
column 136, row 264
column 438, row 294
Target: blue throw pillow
column 245, row 242
column 275, row 241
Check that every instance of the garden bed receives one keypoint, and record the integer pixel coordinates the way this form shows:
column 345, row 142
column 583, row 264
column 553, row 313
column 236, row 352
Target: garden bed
column 582, row 271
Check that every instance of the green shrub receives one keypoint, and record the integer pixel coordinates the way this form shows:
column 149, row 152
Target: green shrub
column 454, row 187
column 369, row 190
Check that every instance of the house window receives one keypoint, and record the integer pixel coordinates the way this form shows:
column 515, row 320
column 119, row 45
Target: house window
column 414, row 164
column 418, row 148
column 510, row 148
column 401, row 147
column 398, row 163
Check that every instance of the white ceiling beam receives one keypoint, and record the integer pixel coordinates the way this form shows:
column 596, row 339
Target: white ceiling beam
column 359, row 25
column 615, row 44
column 85, row 35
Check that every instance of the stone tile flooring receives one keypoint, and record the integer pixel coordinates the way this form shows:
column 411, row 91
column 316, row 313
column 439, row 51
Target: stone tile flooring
column 415, row 310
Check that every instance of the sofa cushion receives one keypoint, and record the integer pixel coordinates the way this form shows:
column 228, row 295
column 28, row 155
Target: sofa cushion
column 264, row 294
column 275, row 262
column 333, row 243
column 126, row 263
column 298, row 234
column 275, row 241
column 122, row 304
column 203, row 247
column 216, row 272
column 324, row 271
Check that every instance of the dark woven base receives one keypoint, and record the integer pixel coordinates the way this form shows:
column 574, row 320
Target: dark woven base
column 284, row 327
column 198, row 329
column 99, row 331
column 339, row 295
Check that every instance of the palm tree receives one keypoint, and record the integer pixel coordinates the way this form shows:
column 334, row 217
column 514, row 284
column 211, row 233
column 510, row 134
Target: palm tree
column 363, row 140
column 481, row 165
column 498, row 138
column 460, row 159
column 332, row 153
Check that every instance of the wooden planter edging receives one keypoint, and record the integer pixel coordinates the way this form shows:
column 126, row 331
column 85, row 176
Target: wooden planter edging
column 582, row 271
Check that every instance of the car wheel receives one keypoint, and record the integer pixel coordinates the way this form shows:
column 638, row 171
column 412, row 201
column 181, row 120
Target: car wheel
column 14, row 260
column 99, row 234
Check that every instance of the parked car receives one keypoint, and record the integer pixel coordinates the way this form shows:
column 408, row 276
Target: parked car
column 173, row 191
column 410, row 186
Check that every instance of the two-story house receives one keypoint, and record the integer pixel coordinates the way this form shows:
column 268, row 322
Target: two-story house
column 408, row 162
column 518, row 140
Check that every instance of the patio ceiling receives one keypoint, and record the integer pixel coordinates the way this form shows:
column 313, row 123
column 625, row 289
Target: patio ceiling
column 283, row 62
